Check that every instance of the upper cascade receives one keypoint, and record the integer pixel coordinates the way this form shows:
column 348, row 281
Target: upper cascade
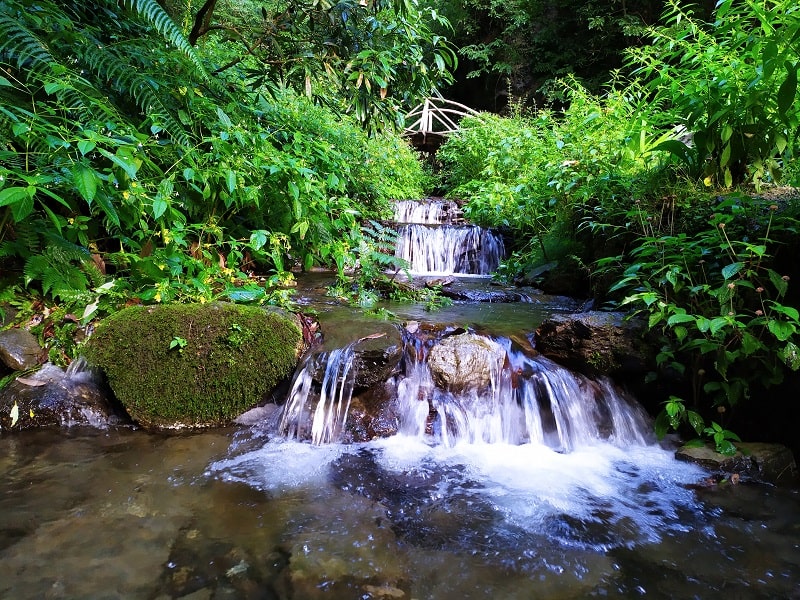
column 433, row 211
column 435, row 240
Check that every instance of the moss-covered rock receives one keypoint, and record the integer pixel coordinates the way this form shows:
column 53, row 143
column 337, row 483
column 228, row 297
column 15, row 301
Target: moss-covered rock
column 194, row 365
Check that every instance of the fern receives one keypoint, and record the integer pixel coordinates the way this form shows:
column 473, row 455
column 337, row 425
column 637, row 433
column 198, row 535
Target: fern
column 109, row 67
column 21, row 46
column 152, row 12
column 61, row 268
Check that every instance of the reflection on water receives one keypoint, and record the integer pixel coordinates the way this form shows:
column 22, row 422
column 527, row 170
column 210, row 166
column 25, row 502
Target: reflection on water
column 230, row 514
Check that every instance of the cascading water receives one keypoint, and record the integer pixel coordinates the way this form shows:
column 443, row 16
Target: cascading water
column 524, row 399
column 434, row 240
column 324, row 421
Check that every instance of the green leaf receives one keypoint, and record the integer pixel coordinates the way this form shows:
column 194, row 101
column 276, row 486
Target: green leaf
column 788, row 90
column 224, row 119
column 717, row 325
column 230, row 180
column 86, row 146
column 105, row 203
column 789, row 311
column 85, row 180
column 160, row 206
column 128, row 165
column 696, row 421
column 780, row 284
column 781, row 329
column 680, row 318
column 13, row 195
column 258, row 239
column 731, row 269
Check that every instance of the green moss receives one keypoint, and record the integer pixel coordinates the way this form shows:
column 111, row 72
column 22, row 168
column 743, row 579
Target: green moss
column 229, row 357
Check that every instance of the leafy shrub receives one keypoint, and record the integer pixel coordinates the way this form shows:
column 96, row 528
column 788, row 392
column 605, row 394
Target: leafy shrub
column 732, row 82
column 542, row 173
column 125, row 153
column 720, row 306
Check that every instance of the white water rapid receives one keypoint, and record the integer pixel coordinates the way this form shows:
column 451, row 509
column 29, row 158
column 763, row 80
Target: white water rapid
column 527, row 399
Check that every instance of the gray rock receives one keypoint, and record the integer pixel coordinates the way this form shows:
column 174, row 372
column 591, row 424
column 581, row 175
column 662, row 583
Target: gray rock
column 596, row 343
column 773, row 463
column 465, row 361
column 19, row 349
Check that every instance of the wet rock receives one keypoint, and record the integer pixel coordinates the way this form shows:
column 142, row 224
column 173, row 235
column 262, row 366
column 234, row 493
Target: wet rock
column 19, row 349
column 55, row 397
column 465, row 361
column 373, row 413
column 772, row 463
column 596, row 343
column 377, row 356
column 194, row 365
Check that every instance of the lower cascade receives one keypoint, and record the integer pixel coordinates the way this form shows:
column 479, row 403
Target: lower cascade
column 480, row 390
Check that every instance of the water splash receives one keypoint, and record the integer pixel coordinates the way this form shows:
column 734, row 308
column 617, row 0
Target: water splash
column 528, row 400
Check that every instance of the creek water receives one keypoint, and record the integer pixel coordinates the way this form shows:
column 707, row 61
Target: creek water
column 543, row 485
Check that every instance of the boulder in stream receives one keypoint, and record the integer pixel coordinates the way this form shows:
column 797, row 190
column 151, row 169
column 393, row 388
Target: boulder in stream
column 194, row 365
column 465, row 361
column 53, row 397
column 772, row 463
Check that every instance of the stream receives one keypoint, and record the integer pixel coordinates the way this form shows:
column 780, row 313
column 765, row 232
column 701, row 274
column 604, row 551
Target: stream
column 542, row 485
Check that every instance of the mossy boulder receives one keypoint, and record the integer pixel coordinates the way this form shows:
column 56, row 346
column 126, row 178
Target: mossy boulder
column 194, row 365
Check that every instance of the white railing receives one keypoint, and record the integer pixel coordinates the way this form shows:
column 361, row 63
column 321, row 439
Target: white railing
column 436, row 115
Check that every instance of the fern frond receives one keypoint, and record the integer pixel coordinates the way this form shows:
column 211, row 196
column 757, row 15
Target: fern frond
column 152, row 12
column 21, row 46
column 107, row 66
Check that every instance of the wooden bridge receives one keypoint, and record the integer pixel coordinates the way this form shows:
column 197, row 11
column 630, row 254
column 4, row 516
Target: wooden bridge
column 431, row 122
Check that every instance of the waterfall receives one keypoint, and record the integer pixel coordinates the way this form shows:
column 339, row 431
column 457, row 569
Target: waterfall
column 525, row 400
column 320, row 414
column 529, row 399
column 434, row 240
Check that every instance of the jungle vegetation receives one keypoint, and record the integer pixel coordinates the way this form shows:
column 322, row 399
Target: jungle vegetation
column 191, row 151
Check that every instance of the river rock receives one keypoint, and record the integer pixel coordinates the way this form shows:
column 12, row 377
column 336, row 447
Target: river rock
column 596, row 343
column 377, row 356
column 19, row 349
column 55, row 397
column 773, row 463
column 177, row 366
column 465, row 361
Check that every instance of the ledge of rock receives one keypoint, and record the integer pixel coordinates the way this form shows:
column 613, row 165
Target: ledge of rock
column 772, row 463
column 596, row 343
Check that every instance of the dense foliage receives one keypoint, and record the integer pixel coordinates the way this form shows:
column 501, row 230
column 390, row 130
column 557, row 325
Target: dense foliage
column 521, row 47
column 636, row 186
column 370, row 59
column 127, row 170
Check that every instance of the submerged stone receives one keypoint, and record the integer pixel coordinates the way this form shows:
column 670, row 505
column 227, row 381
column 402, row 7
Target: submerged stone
column 199, row 365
